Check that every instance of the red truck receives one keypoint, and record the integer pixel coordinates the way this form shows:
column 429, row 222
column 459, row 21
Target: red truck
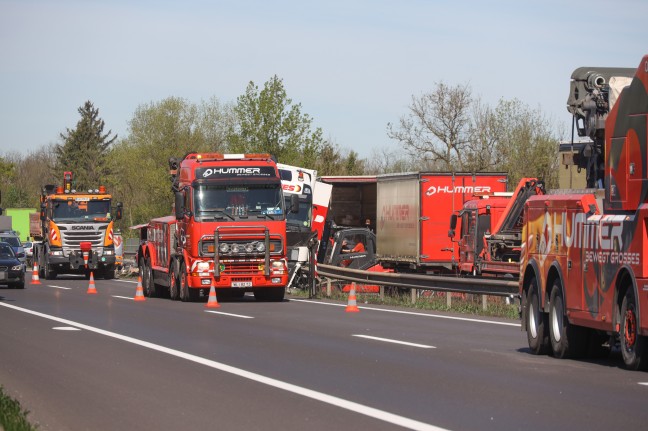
column 412, row 217
column 229, row 230
column 584, row 271
column 490, row 237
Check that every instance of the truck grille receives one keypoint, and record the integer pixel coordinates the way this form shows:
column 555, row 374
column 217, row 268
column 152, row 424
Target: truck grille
column 242, row 268
column 72, row 239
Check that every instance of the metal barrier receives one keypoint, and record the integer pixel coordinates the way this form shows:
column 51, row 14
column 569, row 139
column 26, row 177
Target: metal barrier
column 480, row 286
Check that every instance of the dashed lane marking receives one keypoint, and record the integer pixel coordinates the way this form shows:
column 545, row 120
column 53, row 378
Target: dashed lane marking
column 229, row 314
column 388, row 340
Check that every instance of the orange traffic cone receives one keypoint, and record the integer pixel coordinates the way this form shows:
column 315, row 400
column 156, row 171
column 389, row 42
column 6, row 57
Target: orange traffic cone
column 352, row 307
column 139, row 292
column 35, row 279
column 91, row 287
column 212, row 302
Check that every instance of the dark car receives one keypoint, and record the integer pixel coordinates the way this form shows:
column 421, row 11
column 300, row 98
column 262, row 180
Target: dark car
column 13, row 240
column 12, row 271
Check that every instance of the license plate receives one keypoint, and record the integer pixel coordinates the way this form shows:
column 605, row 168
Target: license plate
column 241, row 284
column 3, row 275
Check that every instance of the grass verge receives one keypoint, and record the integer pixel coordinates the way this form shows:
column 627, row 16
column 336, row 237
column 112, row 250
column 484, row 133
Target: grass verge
column 12, row 415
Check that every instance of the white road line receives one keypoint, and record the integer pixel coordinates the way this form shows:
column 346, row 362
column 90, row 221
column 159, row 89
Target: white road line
column 126, row 281
column 289, row 387
column 229, row 314
column 65, row 328
column 122, row 297
column 643, row 383
column 412, row 313
column 59, row 287
column 388, row 340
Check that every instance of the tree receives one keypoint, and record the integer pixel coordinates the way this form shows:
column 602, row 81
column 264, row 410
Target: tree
column 158, row 131
column 527, row 142
column 268, row 122
column 437, row 128
column 84, row 149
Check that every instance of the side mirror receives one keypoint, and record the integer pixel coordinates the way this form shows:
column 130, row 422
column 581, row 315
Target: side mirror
column 179, row 205
column 453, row 225
column 120, row 211
column 43, row 209
column 294, row 204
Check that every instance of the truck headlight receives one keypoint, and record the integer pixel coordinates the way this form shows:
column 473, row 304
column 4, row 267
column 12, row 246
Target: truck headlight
column 224, row 248
column 260, row 247
column 56, row 253
column 202, row 266
column 108, row 252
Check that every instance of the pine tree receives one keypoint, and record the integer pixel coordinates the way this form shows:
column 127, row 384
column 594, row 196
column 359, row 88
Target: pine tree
column 84, row 150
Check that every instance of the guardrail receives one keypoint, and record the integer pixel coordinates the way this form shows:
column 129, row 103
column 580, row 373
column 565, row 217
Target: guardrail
column 480, row 286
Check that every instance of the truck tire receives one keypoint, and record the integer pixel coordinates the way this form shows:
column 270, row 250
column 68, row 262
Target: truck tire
column 109, row 272
column 567, row 340
column 633, row 345
column 183, row 285
column 50, row 273
column 536, row 321
column 147, row 278
column 174, row 291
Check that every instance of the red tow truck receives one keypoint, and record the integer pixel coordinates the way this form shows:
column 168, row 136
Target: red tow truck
column 584, row 263
column 228, row 230
column 491, row 231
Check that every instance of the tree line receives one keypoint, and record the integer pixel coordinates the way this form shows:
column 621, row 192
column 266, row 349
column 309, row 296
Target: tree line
column 444, row 130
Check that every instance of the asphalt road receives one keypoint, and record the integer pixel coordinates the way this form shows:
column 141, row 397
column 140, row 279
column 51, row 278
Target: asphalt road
column 104, row 362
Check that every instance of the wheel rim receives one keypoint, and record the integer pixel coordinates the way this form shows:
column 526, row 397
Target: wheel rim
column 533, row 328
column 630, row 332
column 183, row 286
column 557, row 319
column 173, row 286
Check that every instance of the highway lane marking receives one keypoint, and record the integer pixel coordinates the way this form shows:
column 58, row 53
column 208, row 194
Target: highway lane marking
column 412, row 313
column 122, row 297
column 66, row 328
column 59, row 287
column 289, row 387
column 643, row 383
column 388, row 340
column 127, row 281
column 229, row 314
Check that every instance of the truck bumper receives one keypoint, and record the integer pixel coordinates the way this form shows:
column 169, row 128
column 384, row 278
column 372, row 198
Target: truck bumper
column 75, row 261
column 239, row 282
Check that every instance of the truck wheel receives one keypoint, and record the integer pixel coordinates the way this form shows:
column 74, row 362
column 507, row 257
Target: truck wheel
column 567, row 340
column 183, row 284
column 535, row 322
column 633, row 345
column 174, row 292
column 147, row 278
column 109, row 272
column 50, row 274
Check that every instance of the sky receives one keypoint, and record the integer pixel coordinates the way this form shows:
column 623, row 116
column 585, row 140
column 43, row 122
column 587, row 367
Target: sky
column 353, row 65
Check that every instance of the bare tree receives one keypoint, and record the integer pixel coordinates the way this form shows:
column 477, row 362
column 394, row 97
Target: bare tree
column 437, row 128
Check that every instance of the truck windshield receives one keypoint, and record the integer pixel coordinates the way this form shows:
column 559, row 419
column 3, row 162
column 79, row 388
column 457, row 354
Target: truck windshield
column 302, row 219
column 81, row 211
column 240, row 201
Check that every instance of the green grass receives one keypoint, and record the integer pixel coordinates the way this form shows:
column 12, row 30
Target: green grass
column 12, row 415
